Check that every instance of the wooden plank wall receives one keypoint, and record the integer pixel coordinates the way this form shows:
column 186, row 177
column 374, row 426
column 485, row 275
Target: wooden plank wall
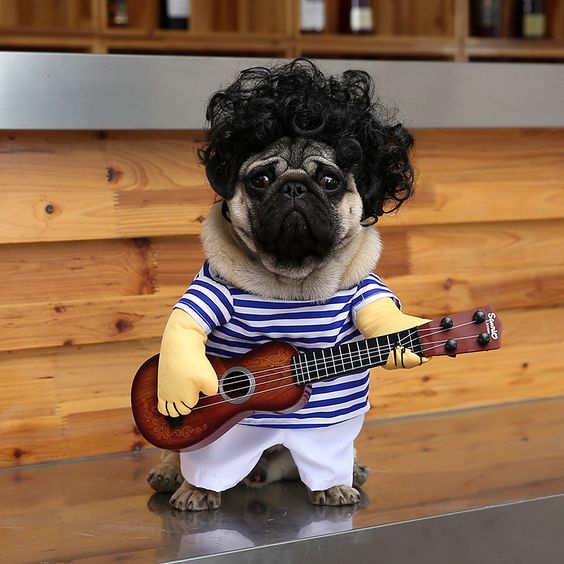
column 99, row 236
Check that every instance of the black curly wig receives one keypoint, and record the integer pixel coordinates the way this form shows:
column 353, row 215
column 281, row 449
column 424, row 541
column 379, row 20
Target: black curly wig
column 297, row 99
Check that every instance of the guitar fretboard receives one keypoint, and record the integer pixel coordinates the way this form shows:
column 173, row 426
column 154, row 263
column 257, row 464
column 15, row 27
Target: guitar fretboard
column 353, row 357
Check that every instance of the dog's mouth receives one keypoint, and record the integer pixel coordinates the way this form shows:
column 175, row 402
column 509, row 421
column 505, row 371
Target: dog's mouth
column 295, row 221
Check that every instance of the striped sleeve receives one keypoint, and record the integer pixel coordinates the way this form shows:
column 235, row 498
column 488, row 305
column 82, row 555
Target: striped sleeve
column 370, row 289
column 207, row 300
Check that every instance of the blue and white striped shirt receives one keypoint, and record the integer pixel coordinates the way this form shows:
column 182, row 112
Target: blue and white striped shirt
column 237, row 322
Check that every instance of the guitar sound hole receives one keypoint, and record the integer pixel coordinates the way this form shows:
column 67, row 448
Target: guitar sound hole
column 237, row 385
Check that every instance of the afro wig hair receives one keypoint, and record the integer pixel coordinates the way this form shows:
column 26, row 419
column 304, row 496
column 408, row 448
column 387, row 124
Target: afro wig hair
column 297, row 99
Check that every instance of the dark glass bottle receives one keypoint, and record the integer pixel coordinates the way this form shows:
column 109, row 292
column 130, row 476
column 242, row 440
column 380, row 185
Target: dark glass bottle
column 312, row 16
column 175, row 14
column 531, row 19
column 356, row 16
column 118, row 13
column 486, row 18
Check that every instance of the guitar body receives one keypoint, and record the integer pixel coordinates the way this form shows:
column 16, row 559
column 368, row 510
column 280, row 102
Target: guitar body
column 241, row 394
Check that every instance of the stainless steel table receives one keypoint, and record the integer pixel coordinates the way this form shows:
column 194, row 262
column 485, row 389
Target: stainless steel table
column 480, row 486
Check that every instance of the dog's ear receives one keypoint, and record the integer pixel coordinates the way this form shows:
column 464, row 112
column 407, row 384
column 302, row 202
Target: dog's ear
column 222, row 177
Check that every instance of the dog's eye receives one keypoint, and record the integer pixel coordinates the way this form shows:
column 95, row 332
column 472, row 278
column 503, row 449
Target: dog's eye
column 329, row 182
column 260, row 181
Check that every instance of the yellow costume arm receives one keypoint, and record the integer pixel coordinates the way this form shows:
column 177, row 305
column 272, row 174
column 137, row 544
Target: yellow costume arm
column 382, row 317
column 184, row 370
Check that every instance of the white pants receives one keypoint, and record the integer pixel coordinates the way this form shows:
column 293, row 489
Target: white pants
column 324, row 456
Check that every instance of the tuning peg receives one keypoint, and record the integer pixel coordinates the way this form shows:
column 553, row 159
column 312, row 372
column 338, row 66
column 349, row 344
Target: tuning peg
column 450, row 346
column 484, row 338
column 479, row 316
column 446, row 323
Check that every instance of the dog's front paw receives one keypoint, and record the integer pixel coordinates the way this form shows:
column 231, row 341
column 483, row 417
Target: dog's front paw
column 165, row 477
column 337, row 495
column 360, row 474
column 190, row 498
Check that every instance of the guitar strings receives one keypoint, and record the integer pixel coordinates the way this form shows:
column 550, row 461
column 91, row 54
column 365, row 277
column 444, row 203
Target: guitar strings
column 439, row 343
column 268, row 372
column 399, row 342
column 287, row 385
column 364, row 355
column 359, row 355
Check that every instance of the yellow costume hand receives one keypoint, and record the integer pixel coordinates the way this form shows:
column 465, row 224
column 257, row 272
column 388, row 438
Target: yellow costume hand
column 402, row 357
column 184, row 370
column 383, row 317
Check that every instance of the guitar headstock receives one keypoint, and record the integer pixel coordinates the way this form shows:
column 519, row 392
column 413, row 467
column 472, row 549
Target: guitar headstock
column 474, row 330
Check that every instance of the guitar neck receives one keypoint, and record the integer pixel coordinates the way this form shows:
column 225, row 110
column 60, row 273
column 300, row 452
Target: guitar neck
column 352, row 357
column 470, row 331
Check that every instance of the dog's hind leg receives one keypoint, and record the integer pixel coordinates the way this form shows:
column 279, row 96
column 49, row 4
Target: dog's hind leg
column 166, row 477
column 275, row 464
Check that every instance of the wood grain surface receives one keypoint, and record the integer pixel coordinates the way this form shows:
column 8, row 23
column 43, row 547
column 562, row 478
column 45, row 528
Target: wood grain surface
column 99, row 237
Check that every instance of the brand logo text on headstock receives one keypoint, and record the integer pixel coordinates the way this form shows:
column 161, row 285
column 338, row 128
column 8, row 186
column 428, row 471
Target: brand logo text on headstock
column 490, row 325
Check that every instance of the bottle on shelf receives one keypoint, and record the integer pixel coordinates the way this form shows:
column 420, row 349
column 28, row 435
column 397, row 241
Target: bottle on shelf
column 118, row 13
column 175, row 14
column 486, row 18
column 312, row 16
column 531, row 19
column 356, row 16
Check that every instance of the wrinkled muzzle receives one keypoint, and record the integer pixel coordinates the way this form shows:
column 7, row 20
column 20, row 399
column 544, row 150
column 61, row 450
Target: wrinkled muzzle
column 295, row 223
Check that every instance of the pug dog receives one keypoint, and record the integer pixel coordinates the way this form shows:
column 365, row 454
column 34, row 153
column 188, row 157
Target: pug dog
column 304, row 163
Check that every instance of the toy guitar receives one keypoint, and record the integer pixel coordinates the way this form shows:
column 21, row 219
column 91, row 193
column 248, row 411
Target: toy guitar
column 275, row 377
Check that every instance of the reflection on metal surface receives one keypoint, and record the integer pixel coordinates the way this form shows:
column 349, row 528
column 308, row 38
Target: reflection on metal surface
column 248, row 518
column 518, row 533
column 102, row 510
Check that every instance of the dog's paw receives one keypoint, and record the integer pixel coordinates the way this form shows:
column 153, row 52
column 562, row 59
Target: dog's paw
column 337, row 495
column 275, row 464
column 360, row 474
column 165, row 477
column 190, row 498
column 258, row 477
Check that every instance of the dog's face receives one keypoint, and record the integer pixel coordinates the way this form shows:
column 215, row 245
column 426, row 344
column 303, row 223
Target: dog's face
column 293, row 205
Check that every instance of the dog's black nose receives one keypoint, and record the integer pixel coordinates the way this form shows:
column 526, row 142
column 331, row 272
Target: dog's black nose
column 293, row 189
